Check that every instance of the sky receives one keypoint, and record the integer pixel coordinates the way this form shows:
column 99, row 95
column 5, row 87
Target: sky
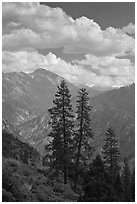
column 90, row 43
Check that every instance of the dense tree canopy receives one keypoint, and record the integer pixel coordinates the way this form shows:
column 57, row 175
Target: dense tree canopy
column 95, row 186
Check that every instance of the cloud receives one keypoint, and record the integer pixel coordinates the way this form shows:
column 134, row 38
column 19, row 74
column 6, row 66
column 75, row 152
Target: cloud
column 30, row 61
column 129, row 29
column 115, row 71
column 102, row 71
column 109, row 65
column 30, row 26
column 22, row 61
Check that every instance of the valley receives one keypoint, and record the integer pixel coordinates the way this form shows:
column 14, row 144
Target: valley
column 27, row 97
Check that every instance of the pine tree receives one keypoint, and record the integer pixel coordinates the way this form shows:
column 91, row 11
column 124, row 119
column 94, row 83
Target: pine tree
column 83, row 134
column 95, row 187
column 133, row 185
column 126, row 177
column 111, row 153
column 118, row 187
column 62, row 130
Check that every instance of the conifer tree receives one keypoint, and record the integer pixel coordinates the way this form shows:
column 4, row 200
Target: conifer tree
column 83, row 133
column 133, row 185
column 95, row 186
column 126, row 177
column 118, row 187
column 62, row 130
column 111, row 153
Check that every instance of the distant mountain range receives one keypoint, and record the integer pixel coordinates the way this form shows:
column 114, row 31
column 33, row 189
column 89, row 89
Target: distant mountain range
column 115, row 109
column 26, row 98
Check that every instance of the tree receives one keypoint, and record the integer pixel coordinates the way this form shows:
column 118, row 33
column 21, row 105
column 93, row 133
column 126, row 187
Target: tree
column 111, row 153
column 118, row 187
column 83, row 133
column 95, row 187
column 62, row 130
column 126, row 177
column 133, row 185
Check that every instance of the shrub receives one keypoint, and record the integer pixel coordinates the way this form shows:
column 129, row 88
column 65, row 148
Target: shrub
column 7, row 196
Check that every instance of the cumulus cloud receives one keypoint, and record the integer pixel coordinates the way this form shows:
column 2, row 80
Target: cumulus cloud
column 111, row 71
column 22, row 61
column 30, row 61
column 109, row 65
column 115, row 71
column 28, row 27
column 31, row 25
column 130, row 29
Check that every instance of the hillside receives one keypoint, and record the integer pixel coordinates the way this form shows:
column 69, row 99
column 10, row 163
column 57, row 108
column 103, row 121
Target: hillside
column 24, row 179
column 26, row 99
column 25, row 96
column 24, row 176
column 112, row 109
column 115, row 109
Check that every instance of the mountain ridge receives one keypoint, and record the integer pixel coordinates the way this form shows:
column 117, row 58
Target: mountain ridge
column 26, row 98
column 26, row 95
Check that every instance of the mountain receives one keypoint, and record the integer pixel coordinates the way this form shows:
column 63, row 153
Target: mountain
column 23, row 177
column 12, row 147
column 6, row 127
column 115, row 109
column 26, row 99
column 25, row 96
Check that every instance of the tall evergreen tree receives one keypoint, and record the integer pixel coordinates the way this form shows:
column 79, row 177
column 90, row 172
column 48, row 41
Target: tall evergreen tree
column 126, row 177
column 83, row 134
column 133, row 185
column 62, row 130
column 111, row 153
column 118, row 187
column 95, row 187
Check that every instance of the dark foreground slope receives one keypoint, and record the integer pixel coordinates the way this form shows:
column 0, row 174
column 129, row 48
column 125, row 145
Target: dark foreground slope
column 24, row 179
column 24, row 183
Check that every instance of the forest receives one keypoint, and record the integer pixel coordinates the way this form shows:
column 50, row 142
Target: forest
column 72, row 169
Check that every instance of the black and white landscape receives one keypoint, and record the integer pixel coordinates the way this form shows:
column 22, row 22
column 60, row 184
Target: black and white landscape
column 68, row 102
